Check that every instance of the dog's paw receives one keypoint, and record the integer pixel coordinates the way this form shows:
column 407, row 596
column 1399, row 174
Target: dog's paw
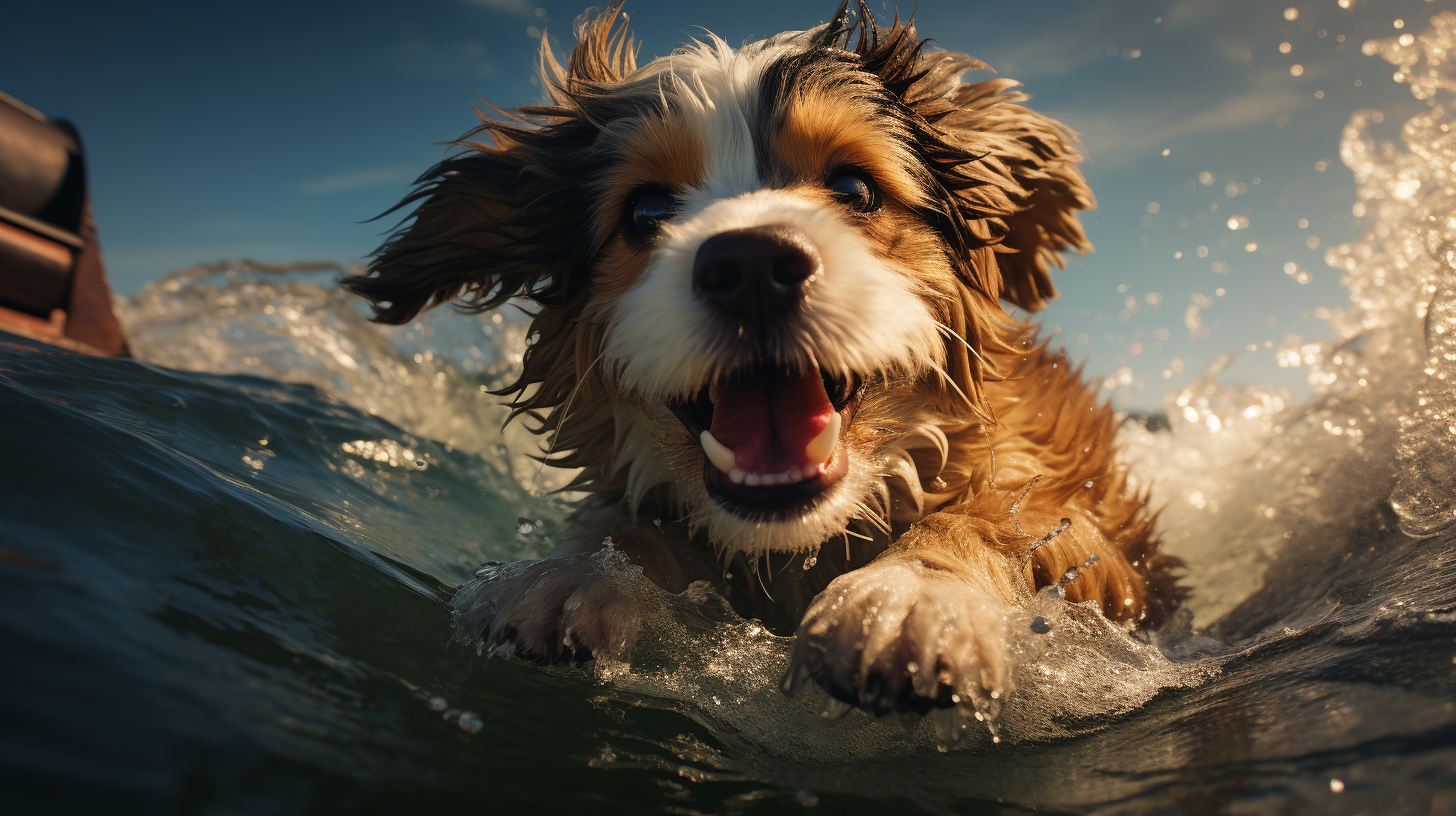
column 565, row 608
column 901, row 637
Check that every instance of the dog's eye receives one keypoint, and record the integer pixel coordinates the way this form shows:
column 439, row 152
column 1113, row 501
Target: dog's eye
column 856, row 189
column 648, row 210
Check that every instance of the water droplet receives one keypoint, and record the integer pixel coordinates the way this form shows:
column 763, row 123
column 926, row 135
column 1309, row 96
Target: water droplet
column 438, row 704
column 810, row 562
column 1040, row 626
column 470, row 722
column 524, row 526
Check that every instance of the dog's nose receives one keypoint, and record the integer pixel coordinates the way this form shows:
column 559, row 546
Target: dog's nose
column 755, row 274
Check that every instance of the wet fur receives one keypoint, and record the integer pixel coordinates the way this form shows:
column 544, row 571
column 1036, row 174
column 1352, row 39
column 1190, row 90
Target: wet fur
column 968, row 452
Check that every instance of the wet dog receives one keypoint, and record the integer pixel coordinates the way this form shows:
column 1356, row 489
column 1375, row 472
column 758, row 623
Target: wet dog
column 769, row 335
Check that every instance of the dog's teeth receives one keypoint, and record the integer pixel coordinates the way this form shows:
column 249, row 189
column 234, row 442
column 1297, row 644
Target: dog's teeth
column 821, row 447
column 719, row 454
column 794, row 476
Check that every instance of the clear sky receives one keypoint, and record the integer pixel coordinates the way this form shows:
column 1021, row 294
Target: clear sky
column 275, row 130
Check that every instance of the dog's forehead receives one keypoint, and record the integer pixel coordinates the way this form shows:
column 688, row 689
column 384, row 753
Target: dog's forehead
column 713, row 122
column 719, row 93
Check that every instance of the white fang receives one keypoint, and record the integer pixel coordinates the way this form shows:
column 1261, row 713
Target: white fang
column 719, row 454
column 821, row 447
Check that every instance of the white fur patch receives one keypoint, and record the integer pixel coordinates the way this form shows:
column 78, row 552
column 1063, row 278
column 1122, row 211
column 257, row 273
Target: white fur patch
column 715, row 89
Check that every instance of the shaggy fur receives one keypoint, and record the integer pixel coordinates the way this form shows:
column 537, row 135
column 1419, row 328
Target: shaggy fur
column 971, row 443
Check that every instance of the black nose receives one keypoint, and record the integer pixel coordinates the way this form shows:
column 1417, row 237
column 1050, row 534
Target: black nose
column 755, row 274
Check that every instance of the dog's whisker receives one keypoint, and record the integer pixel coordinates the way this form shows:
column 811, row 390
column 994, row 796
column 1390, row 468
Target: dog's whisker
column 990, row 449
column 565, row 411
column 873, row 516
column 952, row 333
column 757, row 573
column 952, row 383
column 1016, row 505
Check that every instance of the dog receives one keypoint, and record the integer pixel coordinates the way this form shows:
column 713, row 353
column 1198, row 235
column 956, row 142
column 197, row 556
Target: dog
column 769, row 335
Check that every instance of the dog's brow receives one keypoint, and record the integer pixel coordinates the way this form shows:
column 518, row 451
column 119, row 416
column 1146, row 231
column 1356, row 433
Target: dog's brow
column 661, row 149
column 817, row 132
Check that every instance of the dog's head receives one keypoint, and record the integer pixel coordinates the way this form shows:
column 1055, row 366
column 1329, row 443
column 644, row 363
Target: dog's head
column 766, row 279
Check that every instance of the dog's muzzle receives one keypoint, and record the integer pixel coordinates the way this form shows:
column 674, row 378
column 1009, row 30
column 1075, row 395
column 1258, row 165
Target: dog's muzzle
column 770, row 435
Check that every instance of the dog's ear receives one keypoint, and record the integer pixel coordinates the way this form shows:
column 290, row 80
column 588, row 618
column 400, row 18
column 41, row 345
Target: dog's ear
column 1030, row 200
column 1004, row 176
column 507, row 217
column 464, row 240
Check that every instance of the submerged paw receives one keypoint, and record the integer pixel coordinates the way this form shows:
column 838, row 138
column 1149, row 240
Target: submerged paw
column 553, row 610
column 894, row 639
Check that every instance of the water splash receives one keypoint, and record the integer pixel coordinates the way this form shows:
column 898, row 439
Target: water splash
column 291, row 322
column 1411, row 256
column 1402, row 275
column 693, row 655
column 1245, row 469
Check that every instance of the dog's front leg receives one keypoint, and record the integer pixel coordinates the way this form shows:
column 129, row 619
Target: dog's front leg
column 572, row 605
column 923, row 626
column 565, row 607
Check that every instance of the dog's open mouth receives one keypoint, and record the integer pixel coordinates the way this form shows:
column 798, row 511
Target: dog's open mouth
column 771, row 440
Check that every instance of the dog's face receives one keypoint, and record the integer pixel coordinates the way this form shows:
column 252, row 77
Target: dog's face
column 766, row 275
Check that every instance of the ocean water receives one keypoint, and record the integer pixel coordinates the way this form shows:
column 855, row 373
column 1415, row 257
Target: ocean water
column 226, row 572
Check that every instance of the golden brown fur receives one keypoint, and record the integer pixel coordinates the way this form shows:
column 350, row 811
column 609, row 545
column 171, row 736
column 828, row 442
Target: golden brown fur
column 988, row 447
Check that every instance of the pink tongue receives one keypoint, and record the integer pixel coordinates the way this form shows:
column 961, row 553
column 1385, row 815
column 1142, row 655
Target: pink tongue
column 767, row 423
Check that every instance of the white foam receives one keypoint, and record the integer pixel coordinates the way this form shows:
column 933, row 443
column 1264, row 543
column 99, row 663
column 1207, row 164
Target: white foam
column 1244, row 469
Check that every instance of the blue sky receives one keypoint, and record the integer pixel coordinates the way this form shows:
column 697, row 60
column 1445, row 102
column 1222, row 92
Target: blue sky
column 274, row 131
